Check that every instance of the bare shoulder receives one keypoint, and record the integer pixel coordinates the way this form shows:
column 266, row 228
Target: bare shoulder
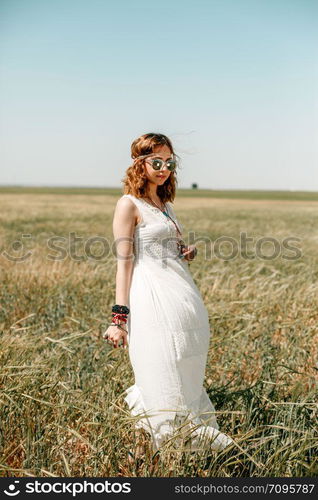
column 126, row 209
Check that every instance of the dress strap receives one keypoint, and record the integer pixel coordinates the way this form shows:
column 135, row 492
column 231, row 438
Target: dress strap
column 140, row 207
column 134, row 199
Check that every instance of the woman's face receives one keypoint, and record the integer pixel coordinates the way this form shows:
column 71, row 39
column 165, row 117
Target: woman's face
column 158, row 177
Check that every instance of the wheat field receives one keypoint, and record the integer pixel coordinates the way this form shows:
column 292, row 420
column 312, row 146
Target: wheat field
column 61, row 390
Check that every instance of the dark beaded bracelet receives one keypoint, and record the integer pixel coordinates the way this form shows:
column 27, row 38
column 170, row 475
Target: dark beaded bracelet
column 120, row 309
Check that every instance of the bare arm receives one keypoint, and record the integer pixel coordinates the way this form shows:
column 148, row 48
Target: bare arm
column 123, row 229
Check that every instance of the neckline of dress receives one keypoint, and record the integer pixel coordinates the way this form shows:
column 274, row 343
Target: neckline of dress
column 155, row 209
column 152, row 206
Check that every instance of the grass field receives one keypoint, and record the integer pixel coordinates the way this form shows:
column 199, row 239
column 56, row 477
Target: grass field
column 61, row 386
column 201, row 193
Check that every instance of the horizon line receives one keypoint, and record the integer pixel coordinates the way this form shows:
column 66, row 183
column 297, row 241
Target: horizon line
column 72, row 186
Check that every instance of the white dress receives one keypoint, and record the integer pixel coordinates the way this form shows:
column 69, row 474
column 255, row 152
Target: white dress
column 168, row 340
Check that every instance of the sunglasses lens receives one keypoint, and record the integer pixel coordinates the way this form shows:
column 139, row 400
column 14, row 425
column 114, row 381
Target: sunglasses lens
column 171, row 165
column 157, row 164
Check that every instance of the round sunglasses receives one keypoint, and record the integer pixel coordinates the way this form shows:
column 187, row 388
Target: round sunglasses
column 158, row 163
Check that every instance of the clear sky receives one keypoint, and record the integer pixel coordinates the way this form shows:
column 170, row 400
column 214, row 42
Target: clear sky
column 233, row 83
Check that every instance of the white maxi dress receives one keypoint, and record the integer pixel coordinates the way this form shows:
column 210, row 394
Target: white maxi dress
column 168, row 340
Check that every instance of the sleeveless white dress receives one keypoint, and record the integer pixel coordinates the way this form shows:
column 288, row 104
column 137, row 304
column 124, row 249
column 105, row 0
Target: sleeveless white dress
column 168, row 340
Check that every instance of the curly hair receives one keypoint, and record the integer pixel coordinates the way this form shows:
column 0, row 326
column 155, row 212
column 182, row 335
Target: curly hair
column 135, row 180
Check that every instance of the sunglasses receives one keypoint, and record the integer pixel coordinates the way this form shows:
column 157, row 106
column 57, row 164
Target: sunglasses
column 158, row 163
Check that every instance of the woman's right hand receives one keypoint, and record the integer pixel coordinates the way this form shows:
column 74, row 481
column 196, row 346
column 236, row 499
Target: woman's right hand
column 114, row 334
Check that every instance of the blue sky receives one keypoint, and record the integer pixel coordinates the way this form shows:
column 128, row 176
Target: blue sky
column 233, row 83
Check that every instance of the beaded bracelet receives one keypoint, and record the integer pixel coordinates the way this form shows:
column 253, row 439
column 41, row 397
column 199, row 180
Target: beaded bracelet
column 120, row 317
column 119, row 313
column 120, row 309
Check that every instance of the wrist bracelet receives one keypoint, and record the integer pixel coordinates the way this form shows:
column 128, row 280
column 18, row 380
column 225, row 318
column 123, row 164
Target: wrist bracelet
column 120, row 309
column 120, row 317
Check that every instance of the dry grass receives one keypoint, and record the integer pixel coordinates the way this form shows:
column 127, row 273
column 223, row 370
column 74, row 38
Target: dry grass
column 61, row 387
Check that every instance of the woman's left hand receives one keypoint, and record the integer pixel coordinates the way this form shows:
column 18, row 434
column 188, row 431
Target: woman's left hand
column 189, row 252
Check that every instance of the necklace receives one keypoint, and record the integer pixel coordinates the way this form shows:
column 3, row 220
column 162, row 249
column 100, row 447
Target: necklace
column 165, row 212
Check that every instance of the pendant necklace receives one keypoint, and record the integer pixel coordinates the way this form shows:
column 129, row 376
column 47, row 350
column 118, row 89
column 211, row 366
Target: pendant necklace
column 165, row 212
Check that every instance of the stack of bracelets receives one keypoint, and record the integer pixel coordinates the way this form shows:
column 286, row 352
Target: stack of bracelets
column 119, row 314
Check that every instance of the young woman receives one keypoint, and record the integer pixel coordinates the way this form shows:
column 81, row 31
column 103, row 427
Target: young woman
column 159, row 313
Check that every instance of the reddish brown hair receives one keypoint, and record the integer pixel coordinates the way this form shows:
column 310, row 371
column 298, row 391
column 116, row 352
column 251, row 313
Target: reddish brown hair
column 135, row 180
